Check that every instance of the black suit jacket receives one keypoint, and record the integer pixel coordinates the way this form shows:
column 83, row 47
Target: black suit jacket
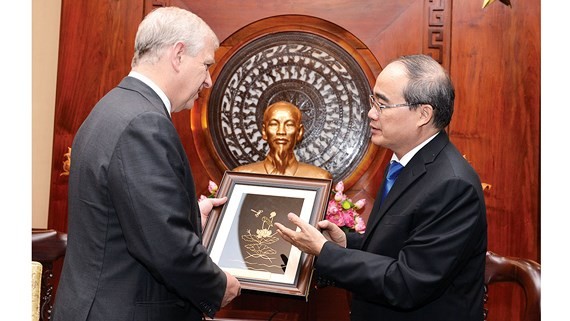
column 134, row 250
column 423, row 254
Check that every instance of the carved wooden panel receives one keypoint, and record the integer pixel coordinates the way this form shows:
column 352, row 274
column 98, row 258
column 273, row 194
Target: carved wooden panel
column 313, row 73
column 312, row 63
column 437, row 38
column 153, row 4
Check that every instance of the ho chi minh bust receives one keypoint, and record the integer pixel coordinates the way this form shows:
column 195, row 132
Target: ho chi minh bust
column 282, row 129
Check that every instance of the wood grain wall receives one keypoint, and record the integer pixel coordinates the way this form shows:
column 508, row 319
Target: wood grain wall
column 493, row 56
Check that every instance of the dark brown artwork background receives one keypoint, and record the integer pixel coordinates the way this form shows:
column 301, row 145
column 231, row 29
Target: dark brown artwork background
column 253, row 242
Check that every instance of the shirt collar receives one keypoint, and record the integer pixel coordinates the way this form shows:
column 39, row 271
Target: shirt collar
column 154, row 87
column 406, row 158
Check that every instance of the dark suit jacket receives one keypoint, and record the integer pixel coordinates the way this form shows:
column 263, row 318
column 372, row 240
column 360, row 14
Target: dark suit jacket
column 423, row 254
column 134, row 239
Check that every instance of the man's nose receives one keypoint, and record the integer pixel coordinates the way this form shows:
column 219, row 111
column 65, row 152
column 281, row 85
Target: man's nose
column 208, row 81
column 372, row 114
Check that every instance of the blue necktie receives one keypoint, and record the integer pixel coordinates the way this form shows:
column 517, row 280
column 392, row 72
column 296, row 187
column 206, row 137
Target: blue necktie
column 393, row 172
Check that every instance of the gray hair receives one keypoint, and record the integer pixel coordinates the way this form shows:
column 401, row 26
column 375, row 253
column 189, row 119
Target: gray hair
column 166, row 26
column 429, row 83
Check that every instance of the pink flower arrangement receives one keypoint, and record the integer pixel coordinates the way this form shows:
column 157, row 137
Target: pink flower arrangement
column 343, row 212
column 212, row 189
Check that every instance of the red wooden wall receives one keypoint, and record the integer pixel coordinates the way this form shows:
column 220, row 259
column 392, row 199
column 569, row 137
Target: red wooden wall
column 493, row 56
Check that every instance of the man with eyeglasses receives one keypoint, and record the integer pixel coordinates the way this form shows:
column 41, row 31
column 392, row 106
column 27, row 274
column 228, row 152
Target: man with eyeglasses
column 423, row 254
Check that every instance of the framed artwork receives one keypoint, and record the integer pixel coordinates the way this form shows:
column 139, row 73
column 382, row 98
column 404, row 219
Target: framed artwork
column 241, row 237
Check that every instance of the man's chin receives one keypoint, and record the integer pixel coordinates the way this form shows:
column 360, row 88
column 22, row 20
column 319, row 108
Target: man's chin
column 281, row 149
column 189, row 105
column 377, row 140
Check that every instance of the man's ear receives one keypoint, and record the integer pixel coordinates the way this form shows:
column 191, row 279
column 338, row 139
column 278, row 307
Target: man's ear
column 300, row 133
column 177, row 55
column 426, row 114
column 263, row 133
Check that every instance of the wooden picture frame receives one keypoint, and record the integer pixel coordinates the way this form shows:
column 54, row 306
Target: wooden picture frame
column 240, row 236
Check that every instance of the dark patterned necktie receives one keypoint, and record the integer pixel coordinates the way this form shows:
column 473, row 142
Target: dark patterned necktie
column 393, row 171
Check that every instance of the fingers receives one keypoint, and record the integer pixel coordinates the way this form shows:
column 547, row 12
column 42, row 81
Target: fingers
column 293, row 218
column 205, row 207
column 208, row 204
column 284, row 232
column 218, row 201
column 333, row 233
column 296, row 220
column 323, row 224
column 327, row 226
column 308, row 239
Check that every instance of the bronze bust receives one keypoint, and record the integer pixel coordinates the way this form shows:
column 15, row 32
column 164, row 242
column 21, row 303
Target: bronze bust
column 282, row 129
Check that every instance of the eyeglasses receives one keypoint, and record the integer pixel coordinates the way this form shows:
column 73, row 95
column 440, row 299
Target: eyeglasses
column 379, row 107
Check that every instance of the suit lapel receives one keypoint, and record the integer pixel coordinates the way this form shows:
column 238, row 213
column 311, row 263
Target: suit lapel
column 411, row 172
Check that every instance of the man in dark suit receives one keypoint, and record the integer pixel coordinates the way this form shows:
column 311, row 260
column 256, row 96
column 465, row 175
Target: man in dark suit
column 422, row 256
column 134, row 239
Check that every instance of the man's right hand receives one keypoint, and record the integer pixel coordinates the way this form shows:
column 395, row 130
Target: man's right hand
column 233, row 289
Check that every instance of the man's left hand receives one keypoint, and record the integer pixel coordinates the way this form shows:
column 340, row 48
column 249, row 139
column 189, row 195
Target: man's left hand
column 206, row 205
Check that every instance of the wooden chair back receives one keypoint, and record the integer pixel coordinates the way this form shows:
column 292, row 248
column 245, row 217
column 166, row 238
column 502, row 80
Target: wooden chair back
column 524, row 272
column 47, row 247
